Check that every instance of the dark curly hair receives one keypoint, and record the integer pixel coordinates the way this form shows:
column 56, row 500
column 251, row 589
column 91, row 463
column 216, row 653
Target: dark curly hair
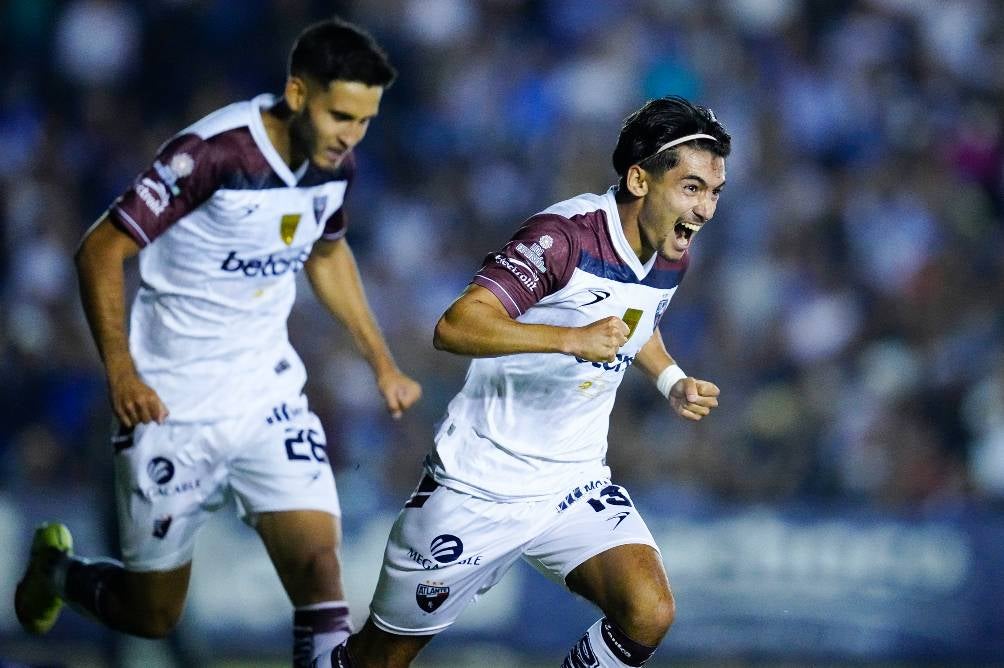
column 661, row 121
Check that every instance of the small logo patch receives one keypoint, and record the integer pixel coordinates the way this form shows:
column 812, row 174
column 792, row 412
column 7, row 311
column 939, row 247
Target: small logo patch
column 287, row 227
column 182, row 164
column 446, row 548
column 160, row 470
column 598, row 296
column 431, row 595
column 320, row 204
column 161, row 525
column 620, row 517
column 659, row 310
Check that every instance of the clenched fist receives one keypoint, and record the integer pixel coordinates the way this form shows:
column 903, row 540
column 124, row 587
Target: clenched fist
column 600, row 341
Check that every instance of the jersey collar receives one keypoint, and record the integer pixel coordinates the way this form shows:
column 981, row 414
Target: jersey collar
column 257, row 127
column 621, row 245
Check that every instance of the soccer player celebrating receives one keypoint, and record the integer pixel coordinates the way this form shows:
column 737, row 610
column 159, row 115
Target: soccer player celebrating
column 554, row 320
column 207, row 389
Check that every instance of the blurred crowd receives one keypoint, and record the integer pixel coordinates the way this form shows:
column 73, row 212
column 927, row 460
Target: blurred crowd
column 848, row 298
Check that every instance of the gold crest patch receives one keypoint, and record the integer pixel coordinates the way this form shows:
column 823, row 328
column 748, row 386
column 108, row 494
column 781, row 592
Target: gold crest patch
column 631, row 318
column 287, row 227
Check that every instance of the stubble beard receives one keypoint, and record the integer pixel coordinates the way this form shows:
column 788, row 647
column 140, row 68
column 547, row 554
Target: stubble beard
column 302, row 138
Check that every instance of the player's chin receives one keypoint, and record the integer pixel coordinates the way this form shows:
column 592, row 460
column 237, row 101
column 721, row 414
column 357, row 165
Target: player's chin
column 671, row 253
column 328, row 161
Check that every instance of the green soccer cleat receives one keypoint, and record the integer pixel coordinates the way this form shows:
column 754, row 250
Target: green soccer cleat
column 36, row 605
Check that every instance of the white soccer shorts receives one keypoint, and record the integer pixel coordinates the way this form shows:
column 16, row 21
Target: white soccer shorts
column 447, row 548
column 170, row 477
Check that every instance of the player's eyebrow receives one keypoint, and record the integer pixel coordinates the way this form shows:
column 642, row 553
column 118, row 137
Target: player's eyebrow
column 350, row 117
column 700, row 180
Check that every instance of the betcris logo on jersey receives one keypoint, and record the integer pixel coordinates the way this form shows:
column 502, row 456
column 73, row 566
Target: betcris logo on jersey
column 270, row 265
column 621, row 363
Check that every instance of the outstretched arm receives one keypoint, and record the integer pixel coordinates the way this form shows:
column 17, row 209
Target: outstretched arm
column 335, row 279
column 99, row 268
column 690, row 397
column 478, row 325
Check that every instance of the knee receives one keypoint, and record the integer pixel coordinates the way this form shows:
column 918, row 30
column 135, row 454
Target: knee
column 647, row 616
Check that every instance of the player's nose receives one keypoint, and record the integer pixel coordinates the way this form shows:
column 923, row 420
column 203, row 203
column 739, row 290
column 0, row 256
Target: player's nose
column 352, row 135
column 704, row 210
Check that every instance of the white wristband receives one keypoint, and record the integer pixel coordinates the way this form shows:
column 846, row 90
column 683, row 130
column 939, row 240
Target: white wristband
column 667, row 379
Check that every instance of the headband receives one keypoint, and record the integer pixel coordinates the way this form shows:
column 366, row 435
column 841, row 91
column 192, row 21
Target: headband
column 677, row 142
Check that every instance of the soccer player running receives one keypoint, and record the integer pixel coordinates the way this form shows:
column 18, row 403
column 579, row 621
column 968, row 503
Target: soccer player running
column 207, row 389
column 554, row 320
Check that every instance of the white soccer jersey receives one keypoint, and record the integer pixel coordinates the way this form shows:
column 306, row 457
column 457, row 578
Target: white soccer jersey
column 528, row 425
column 225, row 226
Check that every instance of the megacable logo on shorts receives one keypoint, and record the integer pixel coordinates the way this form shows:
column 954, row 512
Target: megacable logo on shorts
column 160, row 470
column 446, row 548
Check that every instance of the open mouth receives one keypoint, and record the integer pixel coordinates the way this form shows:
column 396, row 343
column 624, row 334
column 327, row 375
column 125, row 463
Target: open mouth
column 685, row 229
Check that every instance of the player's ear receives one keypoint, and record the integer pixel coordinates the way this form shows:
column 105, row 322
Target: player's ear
column 296, row 93
column 636, row 181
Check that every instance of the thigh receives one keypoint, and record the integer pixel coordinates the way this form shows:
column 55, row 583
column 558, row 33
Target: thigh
column 168, row 479
column 444, row 551
column 303, row 547
column 592, row 518
column 280, row 462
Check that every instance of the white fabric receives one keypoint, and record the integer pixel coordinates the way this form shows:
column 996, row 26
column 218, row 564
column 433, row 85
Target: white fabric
column 270, row 459
column 217, row 286
column 526, row 426
column 465, row 545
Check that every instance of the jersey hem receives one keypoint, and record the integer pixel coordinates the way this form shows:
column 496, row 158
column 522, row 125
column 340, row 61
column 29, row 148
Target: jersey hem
column 486, row 495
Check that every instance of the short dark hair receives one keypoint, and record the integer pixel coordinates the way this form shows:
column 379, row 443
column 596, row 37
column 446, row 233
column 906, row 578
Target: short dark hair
column 338, row 50
column 661, row 121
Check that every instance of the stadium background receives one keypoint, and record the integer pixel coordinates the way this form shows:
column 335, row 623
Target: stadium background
column 843, row 504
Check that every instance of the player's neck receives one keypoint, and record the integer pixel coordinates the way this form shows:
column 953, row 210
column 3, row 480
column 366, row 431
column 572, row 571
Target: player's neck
column 629, row 209
column 278, row 121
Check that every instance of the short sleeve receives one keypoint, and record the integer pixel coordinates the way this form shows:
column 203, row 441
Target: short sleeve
column 536, row 262
column 181, row 178
column 338, row 222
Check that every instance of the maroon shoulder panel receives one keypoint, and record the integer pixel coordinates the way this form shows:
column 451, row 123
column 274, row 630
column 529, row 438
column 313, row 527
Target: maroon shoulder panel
column 186, row 172
column 537, row 261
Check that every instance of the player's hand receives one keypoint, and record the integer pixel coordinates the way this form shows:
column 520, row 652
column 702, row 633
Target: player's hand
column 133, row 401
column 399, row 392
column 692, row 398
column 600, row 341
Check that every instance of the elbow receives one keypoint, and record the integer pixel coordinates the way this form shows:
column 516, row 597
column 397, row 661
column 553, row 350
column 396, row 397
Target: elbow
column 441, row 335
column 447, row 335
column 82, row 255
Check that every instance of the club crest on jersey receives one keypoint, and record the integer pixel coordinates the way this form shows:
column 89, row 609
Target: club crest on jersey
column 660, row 310
column 431, row 595
column 631, row 318
column 287, row 227
column 320, row 204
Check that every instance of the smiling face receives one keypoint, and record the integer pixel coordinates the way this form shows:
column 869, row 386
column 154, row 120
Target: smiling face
column 329, row 121
column 677, row 203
